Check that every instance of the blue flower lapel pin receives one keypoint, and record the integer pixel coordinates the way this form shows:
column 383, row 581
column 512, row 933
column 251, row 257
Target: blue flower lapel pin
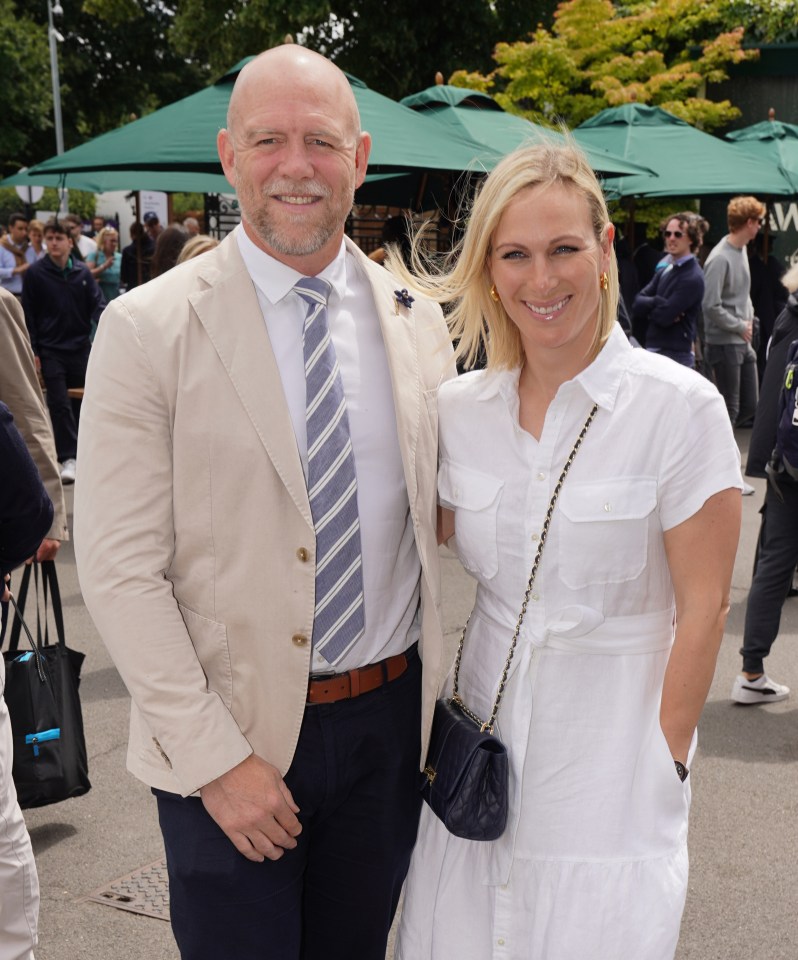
column 403, row 298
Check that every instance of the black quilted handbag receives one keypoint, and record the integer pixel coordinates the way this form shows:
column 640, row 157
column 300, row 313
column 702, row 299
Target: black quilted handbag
column 466, row 777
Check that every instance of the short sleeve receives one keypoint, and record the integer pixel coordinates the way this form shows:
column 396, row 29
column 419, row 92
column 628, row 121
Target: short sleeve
column 700, row 455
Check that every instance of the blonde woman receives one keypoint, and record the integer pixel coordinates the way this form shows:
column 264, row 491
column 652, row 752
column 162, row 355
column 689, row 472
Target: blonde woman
column 105, row 263
column 621, row 632
column 36, row 238
column 194, row 246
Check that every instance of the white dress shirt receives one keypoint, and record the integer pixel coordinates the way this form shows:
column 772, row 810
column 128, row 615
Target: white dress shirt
column 391, row 567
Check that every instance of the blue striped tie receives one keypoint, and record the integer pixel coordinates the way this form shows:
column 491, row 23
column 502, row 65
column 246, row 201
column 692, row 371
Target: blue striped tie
column 332, row 485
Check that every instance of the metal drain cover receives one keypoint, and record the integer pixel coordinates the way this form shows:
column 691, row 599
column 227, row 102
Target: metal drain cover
column 145, row 891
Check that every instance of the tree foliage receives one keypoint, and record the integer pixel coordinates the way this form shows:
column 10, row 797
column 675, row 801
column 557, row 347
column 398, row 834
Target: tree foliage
column 395, row 48
column 599, row 54
column 25, row 81
column 115, row 63
column 121, row 59
column 80, row 202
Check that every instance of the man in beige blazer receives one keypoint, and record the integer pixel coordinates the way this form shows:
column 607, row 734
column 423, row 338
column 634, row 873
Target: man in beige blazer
column 286, row 775
column 21, row 393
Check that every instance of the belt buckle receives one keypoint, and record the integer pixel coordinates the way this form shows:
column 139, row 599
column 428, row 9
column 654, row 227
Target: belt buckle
column 323, row 676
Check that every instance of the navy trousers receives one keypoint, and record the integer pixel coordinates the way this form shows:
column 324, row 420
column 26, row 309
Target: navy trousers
column 355, row 779
column 61, row 370
column 776, row 562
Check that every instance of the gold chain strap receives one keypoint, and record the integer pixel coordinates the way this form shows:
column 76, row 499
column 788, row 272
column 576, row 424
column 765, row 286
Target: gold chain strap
column 487, row 726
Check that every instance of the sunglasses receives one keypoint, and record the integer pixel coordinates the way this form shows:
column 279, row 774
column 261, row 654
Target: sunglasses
column 673, row 233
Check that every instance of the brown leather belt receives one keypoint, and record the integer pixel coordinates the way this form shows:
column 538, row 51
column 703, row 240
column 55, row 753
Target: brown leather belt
column 344, row 686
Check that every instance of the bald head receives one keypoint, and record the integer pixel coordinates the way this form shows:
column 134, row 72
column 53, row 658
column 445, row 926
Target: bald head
column 294, row 151
column 309, row 73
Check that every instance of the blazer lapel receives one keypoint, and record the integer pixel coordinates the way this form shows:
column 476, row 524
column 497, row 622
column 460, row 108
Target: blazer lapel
column 230, row 313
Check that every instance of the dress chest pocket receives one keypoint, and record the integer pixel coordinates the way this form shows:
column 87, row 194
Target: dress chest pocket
column 604, row 529
column 474, row 497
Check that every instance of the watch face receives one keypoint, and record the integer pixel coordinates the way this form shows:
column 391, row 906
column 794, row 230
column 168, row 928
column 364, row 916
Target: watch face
column 681, row 770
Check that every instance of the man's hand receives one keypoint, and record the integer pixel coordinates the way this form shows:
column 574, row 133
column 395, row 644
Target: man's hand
column 749, row 331
column 47, row 550
column 255, row 809
column 4, row 594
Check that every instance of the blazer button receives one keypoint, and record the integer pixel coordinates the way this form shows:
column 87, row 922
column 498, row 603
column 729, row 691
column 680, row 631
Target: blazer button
column 299, row 639
column 302, row 555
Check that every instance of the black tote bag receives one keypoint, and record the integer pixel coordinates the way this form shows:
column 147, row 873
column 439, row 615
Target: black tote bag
column 41, row 693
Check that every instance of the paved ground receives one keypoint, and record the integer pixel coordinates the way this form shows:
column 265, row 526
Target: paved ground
column 744, row 833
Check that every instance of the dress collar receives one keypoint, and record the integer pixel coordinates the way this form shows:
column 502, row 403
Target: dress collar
column 600, row 381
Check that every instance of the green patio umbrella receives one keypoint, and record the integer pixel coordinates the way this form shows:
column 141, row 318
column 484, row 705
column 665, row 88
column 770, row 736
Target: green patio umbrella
column 98, row 181
column 180, row 139
column 773, row 141
column 477, row 116
column 690, row 163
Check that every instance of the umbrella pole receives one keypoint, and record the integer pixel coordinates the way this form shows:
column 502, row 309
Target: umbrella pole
column 630, row 225
column 422, row 189
column 138, row 239
column 766, row 230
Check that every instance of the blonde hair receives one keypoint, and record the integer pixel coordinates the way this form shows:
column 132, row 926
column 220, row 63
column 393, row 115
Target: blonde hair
column 476, row 321
column 202, row 243
column 106, row 232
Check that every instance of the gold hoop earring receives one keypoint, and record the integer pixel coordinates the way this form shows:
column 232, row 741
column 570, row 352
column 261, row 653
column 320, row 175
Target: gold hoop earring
column 494, row 294
column 604, row 281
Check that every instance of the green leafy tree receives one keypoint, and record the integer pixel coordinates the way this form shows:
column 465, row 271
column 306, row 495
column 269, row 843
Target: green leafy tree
column 395, row 48
column 115, row 63
column 25, row 82
column 84, row 204
column 599, row 54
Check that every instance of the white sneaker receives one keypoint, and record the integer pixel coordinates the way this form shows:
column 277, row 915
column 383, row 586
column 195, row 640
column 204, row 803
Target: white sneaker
column 68, row 469
column 748, row 489
column 761, row 690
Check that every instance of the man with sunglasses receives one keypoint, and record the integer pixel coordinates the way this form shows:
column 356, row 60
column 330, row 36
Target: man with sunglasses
column 729, row 313
column 670, row 303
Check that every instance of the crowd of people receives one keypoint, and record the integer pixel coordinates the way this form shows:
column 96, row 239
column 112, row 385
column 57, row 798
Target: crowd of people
column 64, row 277
column 287, row 388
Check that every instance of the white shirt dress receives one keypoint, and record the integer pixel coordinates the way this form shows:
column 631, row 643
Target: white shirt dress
column 593, row 863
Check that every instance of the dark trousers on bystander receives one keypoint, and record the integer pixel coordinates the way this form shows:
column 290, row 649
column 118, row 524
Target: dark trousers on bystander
column 62, row 369
column 776, row 560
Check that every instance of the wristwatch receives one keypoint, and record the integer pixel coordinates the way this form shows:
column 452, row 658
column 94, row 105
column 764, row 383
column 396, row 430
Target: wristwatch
column 681, row 770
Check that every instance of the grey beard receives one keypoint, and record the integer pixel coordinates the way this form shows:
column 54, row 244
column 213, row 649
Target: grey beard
column 290, row 244
column 279, row 237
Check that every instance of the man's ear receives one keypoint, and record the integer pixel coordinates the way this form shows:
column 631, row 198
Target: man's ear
column 227, row 156
column 362, row 152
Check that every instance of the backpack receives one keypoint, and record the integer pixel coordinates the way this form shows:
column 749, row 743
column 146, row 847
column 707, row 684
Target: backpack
column 787, row 423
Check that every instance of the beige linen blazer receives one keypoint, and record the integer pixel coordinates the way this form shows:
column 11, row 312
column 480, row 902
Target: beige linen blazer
column 193, row 532
column 21, row 393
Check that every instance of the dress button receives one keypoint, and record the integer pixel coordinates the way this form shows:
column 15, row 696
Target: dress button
column 541, row 476
column 299, row 639
column 500, row 941
column 302, row 555
column 535, row 538
column 607, row 507
column 535, row 597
